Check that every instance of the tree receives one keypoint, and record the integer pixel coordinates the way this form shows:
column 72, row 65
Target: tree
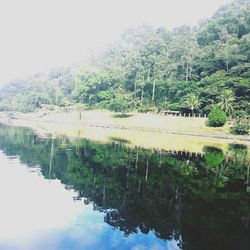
column 90, row 86
column 122, row 102
column 153, row 64
column 154, row 59
column 227, row 100
column 192, row 102
column 183, row 51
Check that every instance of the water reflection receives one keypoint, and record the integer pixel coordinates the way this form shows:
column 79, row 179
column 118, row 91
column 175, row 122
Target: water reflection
column 123, row 198
column 30, row 205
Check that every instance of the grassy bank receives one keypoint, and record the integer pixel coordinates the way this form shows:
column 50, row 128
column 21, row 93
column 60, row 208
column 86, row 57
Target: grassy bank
column 147, row 130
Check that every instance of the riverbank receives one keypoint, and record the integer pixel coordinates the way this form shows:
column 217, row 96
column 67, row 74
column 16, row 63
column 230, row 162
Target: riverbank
column 147, row 130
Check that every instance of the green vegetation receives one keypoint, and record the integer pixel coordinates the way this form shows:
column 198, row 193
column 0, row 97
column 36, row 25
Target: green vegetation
column 226, row 103
column 241, row 126
column 150, row 69
column 122, row 103
column 192, row 103
column 213, row 156
column 217, row 117
column 148, row 190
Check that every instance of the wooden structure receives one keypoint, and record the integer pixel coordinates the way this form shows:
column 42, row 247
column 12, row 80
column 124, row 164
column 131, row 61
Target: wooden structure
column 170, row 112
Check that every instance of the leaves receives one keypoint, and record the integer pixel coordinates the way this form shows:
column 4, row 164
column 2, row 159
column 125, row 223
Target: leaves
column 152, row 65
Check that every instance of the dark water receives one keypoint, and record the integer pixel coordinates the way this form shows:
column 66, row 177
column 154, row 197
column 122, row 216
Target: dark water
column 79, row 194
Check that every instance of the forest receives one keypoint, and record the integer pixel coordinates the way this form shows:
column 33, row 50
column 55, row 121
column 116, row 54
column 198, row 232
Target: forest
column 188, row 69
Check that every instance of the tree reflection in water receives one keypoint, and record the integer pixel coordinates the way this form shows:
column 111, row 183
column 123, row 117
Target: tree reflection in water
column 201, row 201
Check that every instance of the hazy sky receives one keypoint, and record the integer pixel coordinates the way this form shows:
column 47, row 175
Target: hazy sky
column 39, row 34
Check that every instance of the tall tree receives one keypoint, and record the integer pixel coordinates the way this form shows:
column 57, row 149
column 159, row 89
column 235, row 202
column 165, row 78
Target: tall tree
column 227, row 101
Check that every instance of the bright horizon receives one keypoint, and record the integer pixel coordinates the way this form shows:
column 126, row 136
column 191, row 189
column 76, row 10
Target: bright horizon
column 38, row 35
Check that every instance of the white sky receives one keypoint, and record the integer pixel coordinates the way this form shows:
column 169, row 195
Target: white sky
column 38, row 34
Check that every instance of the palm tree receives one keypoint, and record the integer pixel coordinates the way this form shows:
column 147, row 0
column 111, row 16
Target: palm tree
column 227, row 99
column 192, row 102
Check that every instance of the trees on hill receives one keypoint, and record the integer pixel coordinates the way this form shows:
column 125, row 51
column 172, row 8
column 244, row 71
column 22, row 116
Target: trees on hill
column 207, row 65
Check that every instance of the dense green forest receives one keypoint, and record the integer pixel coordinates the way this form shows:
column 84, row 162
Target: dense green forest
column 149, row 190
column 190, row 69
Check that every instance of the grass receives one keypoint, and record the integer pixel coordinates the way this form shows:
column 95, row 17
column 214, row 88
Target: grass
column 144, row 130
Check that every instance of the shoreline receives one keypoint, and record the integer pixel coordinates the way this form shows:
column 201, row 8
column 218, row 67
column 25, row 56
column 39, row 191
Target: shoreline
column 137, row 130
column 37, row 117
column 174, row 132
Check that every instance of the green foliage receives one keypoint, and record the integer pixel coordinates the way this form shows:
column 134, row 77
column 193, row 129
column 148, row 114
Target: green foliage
column 80, row 106
column 227, row 100
column 192, row 102
column 147, row 108
column 217, row 117
column 27, row 95
column 187, row 69
column 239, row 113
column 213, row 156
column 241, row 126
column 122, row 102
column 91, row 87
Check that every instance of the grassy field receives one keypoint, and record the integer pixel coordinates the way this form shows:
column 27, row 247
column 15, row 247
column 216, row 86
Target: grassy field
column 145, row 130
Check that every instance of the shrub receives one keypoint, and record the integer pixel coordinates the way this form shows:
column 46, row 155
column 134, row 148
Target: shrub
column 80, row 106
column 122, row 103
column 239, row 113
column 213, row 156
column 147, row 108
column 175, row 106
column 241, row 126
column 217, row 117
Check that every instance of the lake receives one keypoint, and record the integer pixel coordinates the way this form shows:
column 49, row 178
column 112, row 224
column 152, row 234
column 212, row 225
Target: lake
column 71, row 193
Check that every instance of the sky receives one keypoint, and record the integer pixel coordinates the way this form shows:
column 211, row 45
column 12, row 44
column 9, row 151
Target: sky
column 36, row 35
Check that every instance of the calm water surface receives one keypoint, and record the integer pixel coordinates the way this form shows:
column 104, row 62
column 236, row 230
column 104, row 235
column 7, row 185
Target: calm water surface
column 78, row 194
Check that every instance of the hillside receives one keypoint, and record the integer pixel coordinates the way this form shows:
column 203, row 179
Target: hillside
column 190, row 69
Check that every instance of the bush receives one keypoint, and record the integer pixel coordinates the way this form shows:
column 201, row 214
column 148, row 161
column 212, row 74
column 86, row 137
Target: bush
column 80, row 106
column 175, row 106
column 241, row 126
column 213, row 156
column 122, row 103
column 217, row 117
column 146, row 108
column 239, row 113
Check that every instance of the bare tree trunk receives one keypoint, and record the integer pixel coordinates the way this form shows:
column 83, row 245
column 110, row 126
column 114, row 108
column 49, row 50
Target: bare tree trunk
column 142, row 90
column 139, row 187
column 187, row 72
column 190, row 67
column 124, row 199
column 227, row 60
column 146, row 174
column 248, row 174
column 136, row 161
column 127, row 175
column 160, row 162
column 51, row 157
column 148, row 73
column 153, row 91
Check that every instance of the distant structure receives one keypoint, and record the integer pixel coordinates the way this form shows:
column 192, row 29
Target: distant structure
column 170, row 112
